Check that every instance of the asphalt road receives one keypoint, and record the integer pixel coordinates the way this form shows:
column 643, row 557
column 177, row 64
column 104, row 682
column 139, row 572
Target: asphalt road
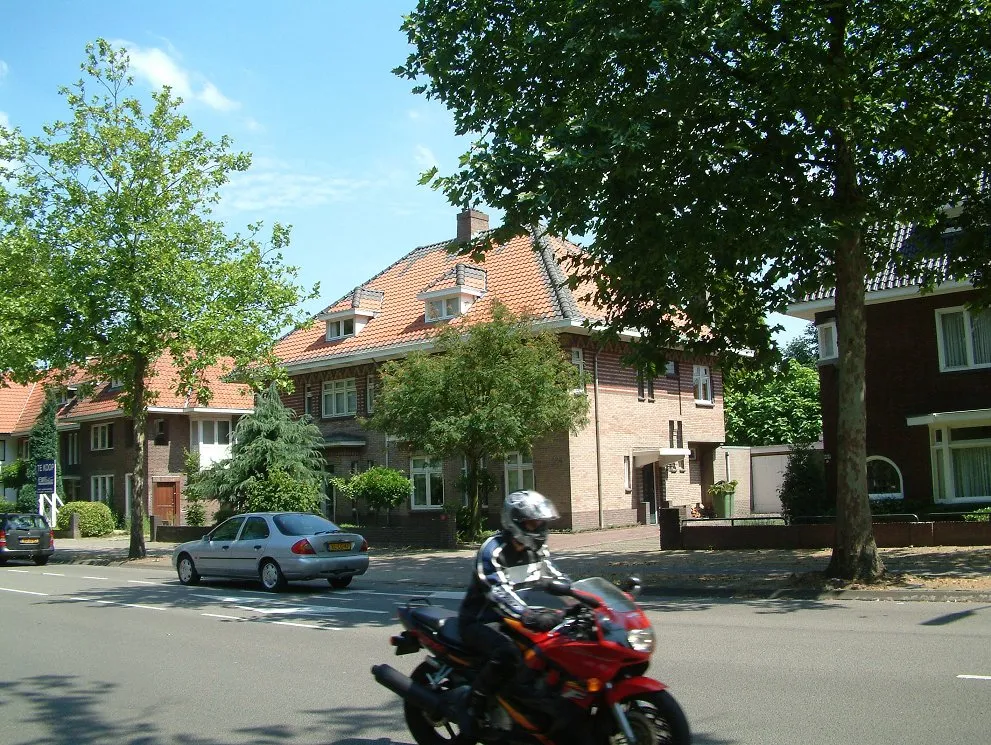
column 106, row 655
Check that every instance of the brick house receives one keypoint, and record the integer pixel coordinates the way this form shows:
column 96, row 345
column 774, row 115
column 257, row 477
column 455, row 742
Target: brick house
column 96, row 438
column 648, row 444
column 928, row 394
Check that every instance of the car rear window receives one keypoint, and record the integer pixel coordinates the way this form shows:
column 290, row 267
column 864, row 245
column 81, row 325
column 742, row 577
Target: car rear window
column 301, row 524
column 26, row 522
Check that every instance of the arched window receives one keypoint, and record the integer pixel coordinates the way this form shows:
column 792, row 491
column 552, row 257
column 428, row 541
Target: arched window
column 884, row 480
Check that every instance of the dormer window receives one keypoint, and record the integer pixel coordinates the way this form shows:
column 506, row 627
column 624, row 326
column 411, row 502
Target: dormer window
column 453, row 293
column 442, row 308
column 340, row 329
column 352, row 314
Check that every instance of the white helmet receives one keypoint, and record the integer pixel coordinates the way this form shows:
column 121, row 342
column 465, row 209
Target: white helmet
column 525, row 515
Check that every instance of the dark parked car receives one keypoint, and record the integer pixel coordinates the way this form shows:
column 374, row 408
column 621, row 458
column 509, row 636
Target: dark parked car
column 25, row 536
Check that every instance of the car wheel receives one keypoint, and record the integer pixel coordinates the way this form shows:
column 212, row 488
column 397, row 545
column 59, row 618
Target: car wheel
column 186, row 570
column 40, row 560
column 271, row 576
column 339, row 583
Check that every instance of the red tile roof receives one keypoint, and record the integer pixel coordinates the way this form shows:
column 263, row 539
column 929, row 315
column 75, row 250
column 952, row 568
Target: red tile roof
column 522, row 278
column 13, row 399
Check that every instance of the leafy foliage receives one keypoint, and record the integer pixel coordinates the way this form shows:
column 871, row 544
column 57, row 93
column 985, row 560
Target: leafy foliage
column 112, row 258
column 725, row 157
column 278, row 491
column 804, row 348
column 803, row 489
column 195, row 511
column 271, row 439
column 43, row 445
column 981, row 515
column 773, row 408
column 491, row 388
column 379, row 487
column 95, row 518
column 14, row 475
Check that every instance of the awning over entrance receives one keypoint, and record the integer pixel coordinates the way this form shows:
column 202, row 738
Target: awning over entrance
column 646, row 456
column 950, row 417
column 343, row 441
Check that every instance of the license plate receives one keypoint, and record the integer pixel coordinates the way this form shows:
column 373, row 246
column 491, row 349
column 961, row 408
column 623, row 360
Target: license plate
column 31, row 541
column 346, row 546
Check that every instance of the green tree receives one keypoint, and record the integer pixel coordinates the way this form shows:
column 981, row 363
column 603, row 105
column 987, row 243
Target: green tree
column 111, row 258
column 491, row 389
column 773, row 408
column 725, row 156
column 195, row 511
column 803, row 488
column 271, row 439
column 277, row 491
column 42, row 445
column 804, row 348
column 379, row 487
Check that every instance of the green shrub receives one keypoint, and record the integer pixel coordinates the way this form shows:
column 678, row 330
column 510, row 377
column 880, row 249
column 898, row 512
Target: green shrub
column 803, row 488
column 8, row 507
column 981, row 515
column 279, row 491
column 195, row 514
column 95, row 518
column 27, row 499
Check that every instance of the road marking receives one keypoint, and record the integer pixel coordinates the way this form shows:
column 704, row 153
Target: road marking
column 281, row 608
column 143, row 582
column 52, row 574
column 306, row 626
column 975, row 677
column 220, row 615
column 85, row 577
column 23, row 592
column 19, row 571
column 111, row 602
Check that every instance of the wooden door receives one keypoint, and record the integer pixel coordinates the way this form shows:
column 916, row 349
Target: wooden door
column 166, row 501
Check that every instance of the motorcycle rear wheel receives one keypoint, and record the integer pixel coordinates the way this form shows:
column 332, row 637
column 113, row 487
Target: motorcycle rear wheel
column 425, row 729
column 656, row 719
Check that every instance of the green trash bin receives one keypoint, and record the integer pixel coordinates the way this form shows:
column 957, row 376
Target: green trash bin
column 723, row 504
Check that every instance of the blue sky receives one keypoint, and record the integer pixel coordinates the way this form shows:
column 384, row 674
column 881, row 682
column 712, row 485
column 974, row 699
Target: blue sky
column 338, row 141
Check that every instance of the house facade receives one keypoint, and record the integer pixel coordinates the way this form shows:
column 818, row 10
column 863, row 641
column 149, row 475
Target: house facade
column 97, row 452
column 928, row 390
column 648, row 443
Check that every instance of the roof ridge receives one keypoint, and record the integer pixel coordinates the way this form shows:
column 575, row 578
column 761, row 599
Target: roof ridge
column 566, row 304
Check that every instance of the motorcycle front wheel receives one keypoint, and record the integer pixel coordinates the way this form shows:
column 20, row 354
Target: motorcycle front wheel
column 425, row 729
column 656, row 719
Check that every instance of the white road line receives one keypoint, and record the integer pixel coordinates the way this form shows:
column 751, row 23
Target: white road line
column 143, row 582
column 306, row 626
column 143, row 607
column 85, row 577
column 23, row 592
column 975, row 677
column 111, row 602
column 52, row 574
column 220, row 615
column 20, row 571
column 235, row 601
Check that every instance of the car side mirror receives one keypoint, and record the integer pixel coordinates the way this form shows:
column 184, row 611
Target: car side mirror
column 631, row 585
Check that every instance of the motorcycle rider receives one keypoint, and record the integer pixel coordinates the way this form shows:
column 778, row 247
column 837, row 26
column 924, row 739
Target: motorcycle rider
column 509, row 562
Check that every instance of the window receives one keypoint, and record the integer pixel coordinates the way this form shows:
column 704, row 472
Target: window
column 671, row 369
column 101, row 489
column 101, row 437
column 3, row 450
column 340, row 329
column 227, row 531
column 963, row 339
column 826, row 334
column 370, row 394
column 884, row 480
column 161, row 432
column 962, row 463
column 427, row 475
column 441, row 308
column 519, row 472
column 645, row 388
column 627, row 473
column 255, row 529
column 215, row 432
column 24, row 448
column 702, row 383
column 71, row 489
column 72, row 449
column 307, row 394
column 340, row 397
column 128, row 493
column 578, row 359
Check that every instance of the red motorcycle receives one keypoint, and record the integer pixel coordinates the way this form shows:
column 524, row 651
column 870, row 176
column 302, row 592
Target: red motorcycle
column 589, row 672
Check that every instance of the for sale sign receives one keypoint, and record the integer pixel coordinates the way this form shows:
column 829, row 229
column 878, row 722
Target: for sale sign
column 46, row 477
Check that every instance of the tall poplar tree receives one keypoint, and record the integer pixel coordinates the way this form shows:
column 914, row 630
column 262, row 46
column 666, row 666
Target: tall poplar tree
column 112, row 259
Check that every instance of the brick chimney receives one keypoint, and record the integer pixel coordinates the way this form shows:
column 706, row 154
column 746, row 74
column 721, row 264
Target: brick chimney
column 471, row 222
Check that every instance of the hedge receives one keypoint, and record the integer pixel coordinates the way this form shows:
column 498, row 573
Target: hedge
column 95, row 518
column 8, row 507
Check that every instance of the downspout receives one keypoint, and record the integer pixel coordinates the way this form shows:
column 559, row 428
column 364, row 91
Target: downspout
column 598, row 444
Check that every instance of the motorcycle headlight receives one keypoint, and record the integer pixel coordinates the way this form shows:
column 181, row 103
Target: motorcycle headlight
column 641, row 640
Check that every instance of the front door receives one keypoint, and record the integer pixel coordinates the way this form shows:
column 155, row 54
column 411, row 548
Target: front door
column 166, row 503
column 649, row 494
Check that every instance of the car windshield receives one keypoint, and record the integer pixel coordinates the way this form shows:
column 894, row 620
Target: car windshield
column 26, row 522
column 298, row 523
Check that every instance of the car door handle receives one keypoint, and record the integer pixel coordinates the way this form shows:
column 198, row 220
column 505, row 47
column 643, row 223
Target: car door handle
column 225, row 547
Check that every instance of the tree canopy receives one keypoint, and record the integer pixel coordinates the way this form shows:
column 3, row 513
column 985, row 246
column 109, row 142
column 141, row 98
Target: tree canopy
column 112, row 258
column 724, row 157
column 489, row 389
column 780, row 408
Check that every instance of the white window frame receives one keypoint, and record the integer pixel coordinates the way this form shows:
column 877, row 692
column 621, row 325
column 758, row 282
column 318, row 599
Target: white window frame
column 99, row 437
column 942, row 448
column 826, row 340
column 519, row 464
column 339, row 328
column 72, row 449
column 627, row 473
column 968, row 328
column 101, row 488
column 307, row 393
column 670, row 369
column 430, row 469
column 879, row 496
column 702, row 385
column 71, row 488
column 448, row 307
column 370, row 393
column 215, row 426
column 329, row 394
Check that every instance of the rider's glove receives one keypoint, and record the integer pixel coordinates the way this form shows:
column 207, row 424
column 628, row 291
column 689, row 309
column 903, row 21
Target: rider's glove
column 544, row 619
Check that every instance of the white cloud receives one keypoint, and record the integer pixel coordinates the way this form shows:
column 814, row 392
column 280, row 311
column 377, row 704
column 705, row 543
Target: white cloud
column 159, row 68
column 4, row 120
column 424, row 157
column 3, row 69
column 253, row 125
column 275, row 185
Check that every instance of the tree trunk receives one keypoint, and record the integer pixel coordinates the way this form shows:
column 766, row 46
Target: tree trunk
column 475, row 529
column 139, row 415
column 854, row 551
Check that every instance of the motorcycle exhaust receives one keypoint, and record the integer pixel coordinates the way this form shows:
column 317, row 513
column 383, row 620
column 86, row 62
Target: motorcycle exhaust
column 405, row 688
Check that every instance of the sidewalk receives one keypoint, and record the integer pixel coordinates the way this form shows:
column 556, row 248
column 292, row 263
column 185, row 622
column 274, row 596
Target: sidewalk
column 941, row 573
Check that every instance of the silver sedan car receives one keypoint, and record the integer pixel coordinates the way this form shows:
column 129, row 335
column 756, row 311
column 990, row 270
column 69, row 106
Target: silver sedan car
column 274, row 547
